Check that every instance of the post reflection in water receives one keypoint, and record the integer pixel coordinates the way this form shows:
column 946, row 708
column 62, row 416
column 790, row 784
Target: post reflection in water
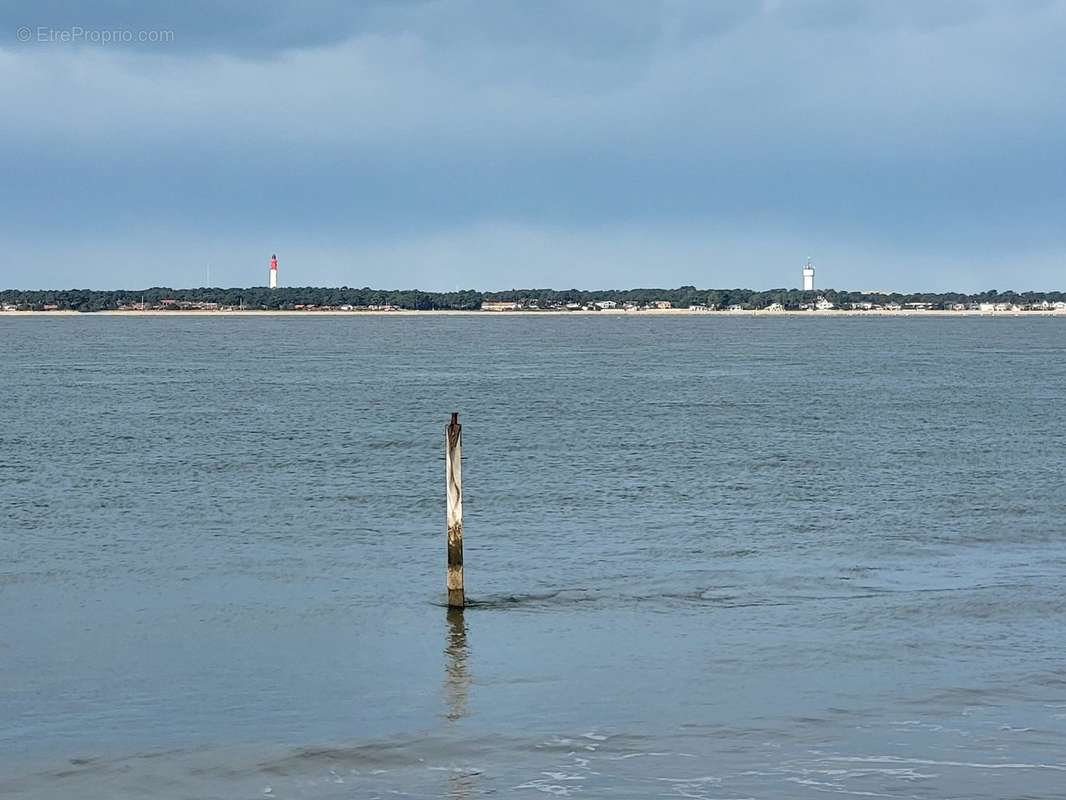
column 456, row 690
column 456, row 673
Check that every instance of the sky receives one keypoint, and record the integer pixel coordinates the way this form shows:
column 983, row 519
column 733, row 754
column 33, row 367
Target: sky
column 443, row 144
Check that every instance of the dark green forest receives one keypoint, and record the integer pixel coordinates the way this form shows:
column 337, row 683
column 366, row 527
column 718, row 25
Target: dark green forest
column 294, row 298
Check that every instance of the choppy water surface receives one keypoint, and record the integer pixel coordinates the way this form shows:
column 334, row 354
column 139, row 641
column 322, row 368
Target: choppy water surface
column 711, row 558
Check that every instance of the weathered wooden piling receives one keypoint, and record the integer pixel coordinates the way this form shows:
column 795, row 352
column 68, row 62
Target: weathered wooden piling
column 453, row 469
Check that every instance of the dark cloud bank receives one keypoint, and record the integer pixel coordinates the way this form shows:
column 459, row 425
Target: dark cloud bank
column 443, row 144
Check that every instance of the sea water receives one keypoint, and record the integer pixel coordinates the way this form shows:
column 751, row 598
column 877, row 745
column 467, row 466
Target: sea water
column 708, row 557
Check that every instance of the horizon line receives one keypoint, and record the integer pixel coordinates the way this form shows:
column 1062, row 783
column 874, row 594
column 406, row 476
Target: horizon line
column 541, row 289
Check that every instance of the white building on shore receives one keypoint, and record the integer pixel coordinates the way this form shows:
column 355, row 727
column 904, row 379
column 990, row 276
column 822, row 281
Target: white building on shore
column 808, row 276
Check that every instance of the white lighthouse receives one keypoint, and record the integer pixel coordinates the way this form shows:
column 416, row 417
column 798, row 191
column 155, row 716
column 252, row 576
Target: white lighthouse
column 808, row 276
column 274, row 271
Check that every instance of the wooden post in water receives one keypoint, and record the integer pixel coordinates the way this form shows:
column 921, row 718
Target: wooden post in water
column 453, row 469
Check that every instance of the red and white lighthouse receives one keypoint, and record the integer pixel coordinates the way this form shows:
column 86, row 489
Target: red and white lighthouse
column 274, row 271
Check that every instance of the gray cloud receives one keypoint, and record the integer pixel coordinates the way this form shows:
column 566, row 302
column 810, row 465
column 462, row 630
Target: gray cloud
column 899, row 127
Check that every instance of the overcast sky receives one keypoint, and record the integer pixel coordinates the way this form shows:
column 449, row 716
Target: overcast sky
column 444, row 144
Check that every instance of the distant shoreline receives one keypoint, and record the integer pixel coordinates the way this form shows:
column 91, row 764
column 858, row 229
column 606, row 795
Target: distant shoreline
column 684, row 300
column 657, row 312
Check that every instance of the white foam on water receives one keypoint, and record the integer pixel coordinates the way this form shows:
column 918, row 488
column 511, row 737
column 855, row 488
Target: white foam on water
column 562, row 776
column 547, row 788
column 692, row 788
column 935, row 763
column 836, row 788
column 627, row 756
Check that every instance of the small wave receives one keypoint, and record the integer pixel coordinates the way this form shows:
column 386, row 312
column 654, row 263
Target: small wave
column 557, row 597
column 528, row 600
column 709, row 597
column 936, row 763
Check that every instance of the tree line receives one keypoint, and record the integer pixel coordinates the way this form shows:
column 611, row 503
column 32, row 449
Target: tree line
column 289, row 298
